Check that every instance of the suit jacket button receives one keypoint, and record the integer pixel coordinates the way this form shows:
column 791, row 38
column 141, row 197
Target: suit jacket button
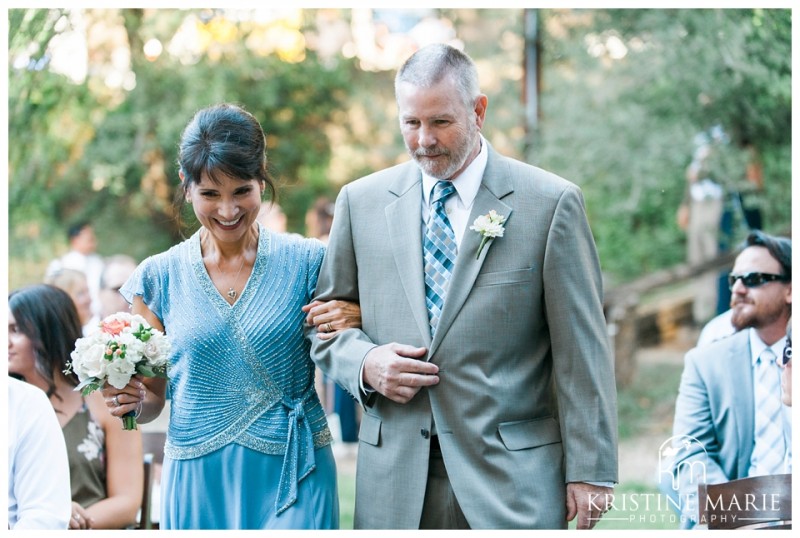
column 424, row 433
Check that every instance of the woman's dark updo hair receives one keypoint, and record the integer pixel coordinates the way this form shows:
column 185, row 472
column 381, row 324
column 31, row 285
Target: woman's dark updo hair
column 223, row 139
column 48, row 317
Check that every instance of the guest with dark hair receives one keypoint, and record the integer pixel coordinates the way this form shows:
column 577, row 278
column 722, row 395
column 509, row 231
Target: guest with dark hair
column 247, row 442
column 105, row 466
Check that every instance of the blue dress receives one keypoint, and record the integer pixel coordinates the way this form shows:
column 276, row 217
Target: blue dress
column 248, row 446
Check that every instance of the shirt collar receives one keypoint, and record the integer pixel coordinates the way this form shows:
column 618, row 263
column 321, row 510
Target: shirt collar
column 467, row 183
column 757, row 346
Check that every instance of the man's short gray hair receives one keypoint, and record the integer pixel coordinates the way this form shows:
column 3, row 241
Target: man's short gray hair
column 431, row 64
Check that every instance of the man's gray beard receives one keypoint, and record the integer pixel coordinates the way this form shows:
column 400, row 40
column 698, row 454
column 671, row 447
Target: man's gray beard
column 454, row 165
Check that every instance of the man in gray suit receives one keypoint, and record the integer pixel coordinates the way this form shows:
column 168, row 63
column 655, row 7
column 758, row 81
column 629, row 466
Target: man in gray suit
column 483, row 365
column 729, row 421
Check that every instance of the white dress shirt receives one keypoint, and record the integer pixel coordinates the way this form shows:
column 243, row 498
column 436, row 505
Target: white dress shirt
column 39, row 495
column 459, row 206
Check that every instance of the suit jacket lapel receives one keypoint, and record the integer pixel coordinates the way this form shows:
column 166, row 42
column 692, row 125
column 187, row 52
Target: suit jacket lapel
column 496, row 184
column 741, row 375
column 404, row 220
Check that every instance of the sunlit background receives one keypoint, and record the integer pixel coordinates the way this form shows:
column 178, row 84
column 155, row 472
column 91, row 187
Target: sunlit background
column 610, row 99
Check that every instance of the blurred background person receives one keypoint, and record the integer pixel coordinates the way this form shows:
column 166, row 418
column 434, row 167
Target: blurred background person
column 272, row 216
column 105, row 461
column 74, row 283
column 82, row 256
column 699, row 216
column 38, row 471
column 786, row 363
column 116, row 271
column 717, row 328
column 319, row 219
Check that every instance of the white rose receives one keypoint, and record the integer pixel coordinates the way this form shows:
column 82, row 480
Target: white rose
column 134, row 348
column 119, row 373
column 87, row 359
column 493, row 229
column 137, row 320
column 157, row 349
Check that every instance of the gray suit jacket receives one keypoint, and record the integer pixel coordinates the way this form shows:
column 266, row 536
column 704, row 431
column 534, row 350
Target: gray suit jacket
column 526, row 399
column 714, row 419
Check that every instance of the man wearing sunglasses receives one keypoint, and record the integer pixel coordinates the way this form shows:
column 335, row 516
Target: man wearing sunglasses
column 729, row 401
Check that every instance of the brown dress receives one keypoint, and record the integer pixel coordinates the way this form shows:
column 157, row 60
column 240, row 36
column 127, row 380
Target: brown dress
column 86, row 450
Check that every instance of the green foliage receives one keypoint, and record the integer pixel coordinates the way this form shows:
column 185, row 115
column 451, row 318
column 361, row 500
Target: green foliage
column 74, row 156
column 46, row 115
column 622, row 126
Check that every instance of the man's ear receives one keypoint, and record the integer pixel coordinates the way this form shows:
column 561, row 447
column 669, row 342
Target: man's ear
column 481, row 102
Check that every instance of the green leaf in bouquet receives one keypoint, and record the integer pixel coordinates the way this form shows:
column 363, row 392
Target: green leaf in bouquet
column 145, row 370
column 88, row 386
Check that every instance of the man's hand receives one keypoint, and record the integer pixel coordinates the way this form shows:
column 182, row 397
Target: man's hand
column 394, row 371
column 588, row 502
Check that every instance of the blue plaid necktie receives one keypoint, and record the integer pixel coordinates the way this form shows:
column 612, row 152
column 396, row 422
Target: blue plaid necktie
column 769, row 450
column 439, row 250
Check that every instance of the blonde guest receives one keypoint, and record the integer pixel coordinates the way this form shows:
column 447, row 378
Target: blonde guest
column 76, row 285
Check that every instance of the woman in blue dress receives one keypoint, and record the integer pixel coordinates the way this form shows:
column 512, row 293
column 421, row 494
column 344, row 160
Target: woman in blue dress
column 248, row 446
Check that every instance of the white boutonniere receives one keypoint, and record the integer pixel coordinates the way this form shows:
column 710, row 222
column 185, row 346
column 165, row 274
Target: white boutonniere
column 488, row 226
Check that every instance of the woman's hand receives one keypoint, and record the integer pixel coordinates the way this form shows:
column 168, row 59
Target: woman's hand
column 80, row 519
column 126, row 400
column 332, row 316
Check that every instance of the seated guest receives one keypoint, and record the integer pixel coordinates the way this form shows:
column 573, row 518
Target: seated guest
column 729, row 420
column 786, row 373
column 38, row 495
column 105, row 462
column 75, row 284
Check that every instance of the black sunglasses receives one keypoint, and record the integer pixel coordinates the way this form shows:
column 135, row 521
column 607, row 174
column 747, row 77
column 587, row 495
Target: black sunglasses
column 754, row 280
column 787, row 352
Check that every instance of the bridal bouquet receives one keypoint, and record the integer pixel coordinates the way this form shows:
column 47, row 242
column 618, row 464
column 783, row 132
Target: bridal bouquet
column 124, row 346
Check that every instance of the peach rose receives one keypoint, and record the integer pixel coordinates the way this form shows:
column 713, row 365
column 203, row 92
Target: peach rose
column 115, row 326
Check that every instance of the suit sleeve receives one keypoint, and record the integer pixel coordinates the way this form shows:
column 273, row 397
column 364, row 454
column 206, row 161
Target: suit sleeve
column 582, row 360
column 697, row 460
column 341, row 357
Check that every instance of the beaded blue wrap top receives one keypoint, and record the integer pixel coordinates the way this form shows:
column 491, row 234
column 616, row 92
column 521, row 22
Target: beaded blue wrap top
column 240, row 373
